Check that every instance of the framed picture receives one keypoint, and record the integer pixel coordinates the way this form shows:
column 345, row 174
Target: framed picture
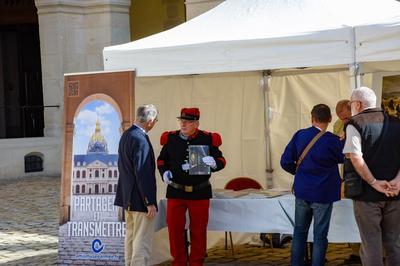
column 196, row 155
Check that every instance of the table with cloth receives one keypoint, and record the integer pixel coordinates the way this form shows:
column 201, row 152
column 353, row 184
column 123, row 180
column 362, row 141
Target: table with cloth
column 270, row 215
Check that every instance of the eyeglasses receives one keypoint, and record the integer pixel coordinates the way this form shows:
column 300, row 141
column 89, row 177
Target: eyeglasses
column 354, row 101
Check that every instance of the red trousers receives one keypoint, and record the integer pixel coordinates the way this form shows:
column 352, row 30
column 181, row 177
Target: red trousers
column 176, row 220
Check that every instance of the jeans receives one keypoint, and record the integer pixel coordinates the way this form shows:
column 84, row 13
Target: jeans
column 304, row 212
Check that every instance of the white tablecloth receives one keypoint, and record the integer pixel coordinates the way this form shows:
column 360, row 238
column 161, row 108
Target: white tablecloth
column 271, row 215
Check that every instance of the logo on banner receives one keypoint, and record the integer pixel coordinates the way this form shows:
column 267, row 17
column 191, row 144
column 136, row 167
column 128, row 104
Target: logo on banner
column 97, row 246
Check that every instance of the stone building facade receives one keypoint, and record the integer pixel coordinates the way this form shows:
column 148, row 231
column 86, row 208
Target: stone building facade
column 72, row 35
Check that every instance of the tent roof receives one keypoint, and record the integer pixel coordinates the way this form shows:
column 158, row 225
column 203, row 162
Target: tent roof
column 242, row 35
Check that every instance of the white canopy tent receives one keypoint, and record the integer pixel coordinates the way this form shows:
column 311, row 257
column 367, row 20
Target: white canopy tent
column 243, row 35
column 311, row 49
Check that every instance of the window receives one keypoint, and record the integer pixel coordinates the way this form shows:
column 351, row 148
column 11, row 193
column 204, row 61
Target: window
column 109, row 173
column 96, row 173
column 83, row 188
column 77, row 189
column 110, row 188
column 115, row 173
column 21, row 92
column 96, row 189
column 33, row 162
column 115, row 188
column 78, row 174
column 83, row 174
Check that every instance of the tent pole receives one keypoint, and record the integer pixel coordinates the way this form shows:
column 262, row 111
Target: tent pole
column 354, row 68
column 266, row 83
column 355, row 77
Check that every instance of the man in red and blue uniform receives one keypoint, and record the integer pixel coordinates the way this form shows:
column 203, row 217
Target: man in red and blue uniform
column 188, row 192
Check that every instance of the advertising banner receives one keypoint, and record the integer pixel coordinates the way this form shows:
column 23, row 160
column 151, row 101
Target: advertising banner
column 92, row 229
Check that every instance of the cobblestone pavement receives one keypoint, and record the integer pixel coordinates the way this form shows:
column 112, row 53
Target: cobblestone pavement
column 29, row 228
column 29, row 221
column 255, row 255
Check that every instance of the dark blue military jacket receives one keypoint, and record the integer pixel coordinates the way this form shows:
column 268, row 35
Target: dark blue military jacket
column 175, row 152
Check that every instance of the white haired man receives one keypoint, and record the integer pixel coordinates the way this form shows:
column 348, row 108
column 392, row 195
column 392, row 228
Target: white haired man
column 136, row 191
column 373, row 148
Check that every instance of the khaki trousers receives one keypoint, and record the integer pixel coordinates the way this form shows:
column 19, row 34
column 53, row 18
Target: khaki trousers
column 378, row 223
column 138, row 238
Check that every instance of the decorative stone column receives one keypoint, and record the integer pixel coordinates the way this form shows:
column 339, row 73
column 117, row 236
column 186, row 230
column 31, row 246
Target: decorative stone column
column 73, row 34
column 197, row 7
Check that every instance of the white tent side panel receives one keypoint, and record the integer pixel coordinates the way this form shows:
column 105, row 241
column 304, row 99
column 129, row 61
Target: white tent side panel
column 291, row 99
column 232, row 105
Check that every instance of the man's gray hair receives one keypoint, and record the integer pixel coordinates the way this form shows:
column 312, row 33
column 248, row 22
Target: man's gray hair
column 146, row 113
column 364, row 95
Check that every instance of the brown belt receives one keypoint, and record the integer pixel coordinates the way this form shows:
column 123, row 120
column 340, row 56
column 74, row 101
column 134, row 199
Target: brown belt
column 190, row 188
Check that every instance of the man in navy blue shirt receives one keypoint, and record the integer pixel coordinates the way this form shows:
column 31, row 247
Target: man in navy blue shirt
column 316, row 183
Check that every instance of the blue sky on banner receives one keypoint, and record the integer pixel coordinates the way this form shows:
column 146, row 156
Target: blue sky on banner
column 85, row 124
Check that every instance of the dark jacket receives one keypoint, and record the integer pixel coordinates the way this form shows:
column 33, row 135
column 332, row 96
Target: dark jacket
column 317, row 179
column 136, row 164
column 175, row 152
column 380, row 144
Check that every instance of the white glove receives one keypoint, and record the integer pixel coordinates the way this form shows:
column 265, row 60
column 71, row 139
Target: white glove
column 209, row 160
column 185, row 166
column 167, row 177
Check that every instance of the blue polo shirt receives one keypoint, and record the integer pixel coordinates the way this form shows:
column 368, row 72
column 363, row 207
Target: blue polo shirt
column 317, row 179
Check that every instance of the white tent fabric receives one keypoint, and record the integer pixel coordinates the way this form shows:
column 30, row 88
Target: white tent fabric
column 232, row 105
column 379, row 42
column 243, row 35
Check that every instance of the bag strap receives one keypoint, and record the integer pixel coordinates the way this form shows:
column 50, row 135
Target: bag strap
column 308, row 147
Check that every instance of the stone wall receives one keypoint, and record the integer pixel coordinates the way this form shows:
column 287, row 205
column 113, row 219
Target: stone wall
column 197, row 7
column 73, row 34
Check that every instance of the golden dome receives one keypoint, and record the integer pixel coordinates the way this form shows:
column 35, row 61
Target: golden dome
column 98, row 143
